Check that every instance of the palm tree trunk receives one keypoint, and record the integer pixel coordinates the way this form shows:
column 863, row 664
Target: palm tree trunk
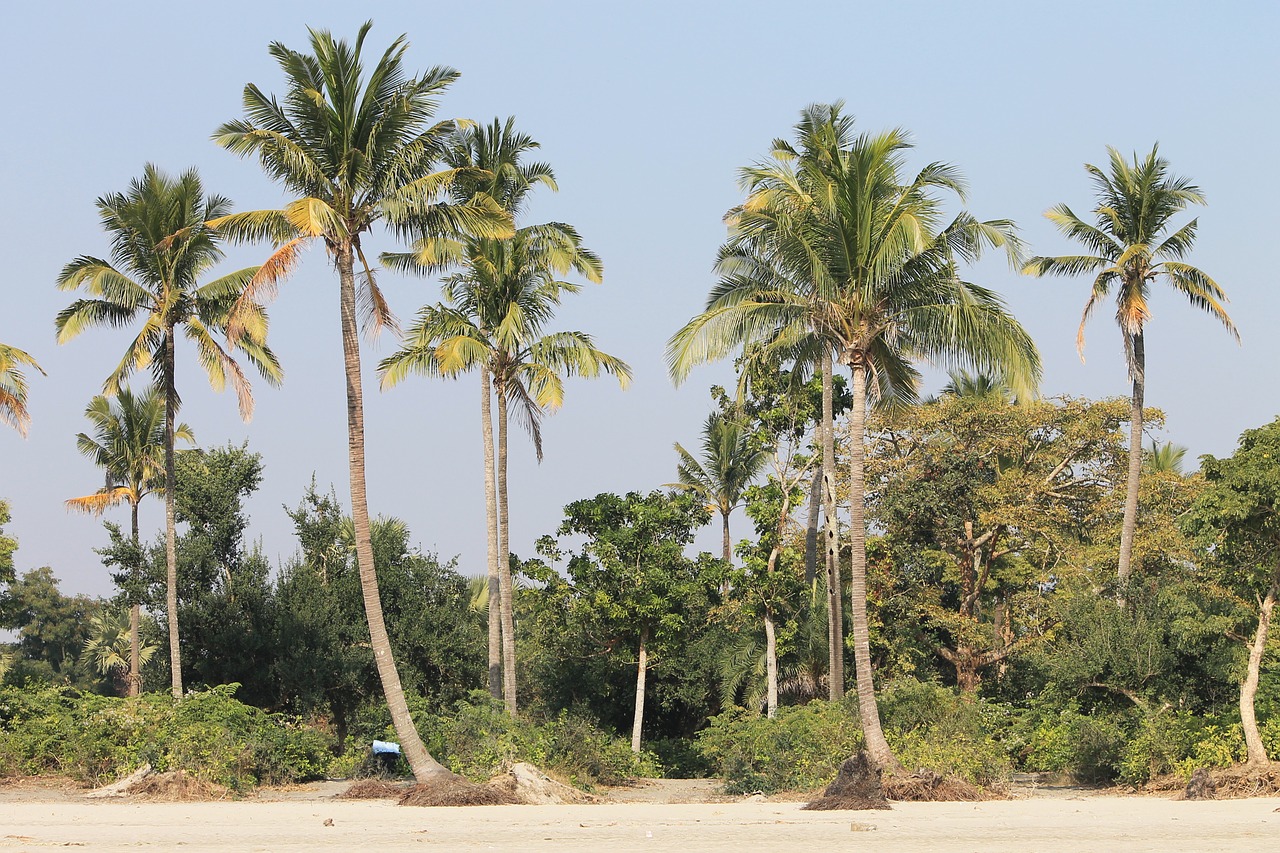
column 877, row 746
column 811, row 531
column 420, row 761
column 637, row 721
column 506, row 595
column 491, row 517
column 835, row 605
column 170, row 533
column 727, row 542
column 1130, row 528
column 135, row 668
column 1257, row 752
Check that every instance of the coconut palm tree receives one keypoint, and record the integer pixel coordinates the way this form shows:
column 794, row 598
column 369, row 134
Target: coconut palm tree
column 161, row 248
column 128, row 444
column 492, row 321
column 13, row 387
column 835, row 255
column 729, row 464
column 489, row 161
column 355, row 149
column 1130, row 246
column 1165, row 457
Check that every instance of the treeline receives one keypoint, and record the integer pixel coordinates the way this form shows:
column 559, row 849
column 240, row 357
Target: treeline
column 1072, row 591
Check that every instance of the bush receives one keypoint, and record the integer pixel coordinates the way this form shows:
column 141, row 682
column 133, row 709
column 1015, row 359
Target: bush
column 1090, row 748
column 937, row 728
column 798, row 750
column 209, row 734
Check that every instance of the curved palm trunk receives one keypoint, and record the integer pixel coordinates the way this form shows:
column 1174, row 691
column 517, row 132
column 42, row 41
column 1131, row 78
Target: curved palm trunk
column 491, row 519
column 835, row 608
column 423, row 765
column 135, row 668
column 877, row 746
column 637, row 721
column 507, row 600
column 170, row 534
column 1257, row 752
column 1130, row 528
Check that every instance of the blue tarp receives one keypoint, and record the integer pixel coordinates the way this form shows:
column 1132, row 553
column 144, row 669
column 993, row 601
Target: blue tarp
column 381, row 747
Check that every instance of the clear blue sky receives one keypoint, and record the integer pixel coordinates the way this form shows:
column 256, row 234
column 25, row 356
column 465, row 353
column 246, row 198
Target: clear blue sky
column 646, row 111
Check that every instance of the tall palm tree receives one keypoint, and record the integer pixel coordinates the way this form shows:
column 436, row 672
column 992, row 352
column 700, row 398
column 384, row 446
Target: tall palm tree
column 489, row 161
column 13, row 387
column 1131, row 246
column 492, row 320
column 128, row 444
column 355, row 150
column 729, row 464
column 160, row 249
column 835, row 255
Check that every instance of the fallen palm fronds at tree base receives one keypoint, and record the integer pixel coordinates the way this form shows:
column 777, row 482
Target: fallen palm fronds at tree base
column 372, row 789
column 926, row 786
column 456, row 792
column 1230, row 783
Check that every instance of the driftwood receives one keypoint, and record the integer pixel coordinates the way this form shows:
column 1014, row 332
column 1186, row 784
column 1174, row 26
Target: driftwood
column 1200, row 786
column 120, row 788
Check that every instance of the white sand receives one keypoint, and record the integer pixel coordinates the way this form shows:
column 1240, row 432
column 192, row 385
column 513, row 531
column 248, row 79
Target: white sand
column 1036, row 824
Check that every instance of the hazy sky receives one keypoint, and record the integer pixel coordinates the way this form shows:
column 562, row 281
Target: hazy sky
column 646, row 111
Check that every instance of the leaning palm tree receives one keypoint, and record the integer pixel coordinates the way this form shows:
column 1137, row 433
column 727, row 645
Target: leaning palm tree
column 492, row 321
column 1130, row 246
column 13, row 387
column 160, row 249
column 128, row 444
column 729, row 464
column 834, row 254
column 355, row 150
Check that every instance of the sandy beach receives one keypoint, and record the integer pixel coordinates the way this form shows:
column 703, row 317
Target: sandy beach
column 311, row 820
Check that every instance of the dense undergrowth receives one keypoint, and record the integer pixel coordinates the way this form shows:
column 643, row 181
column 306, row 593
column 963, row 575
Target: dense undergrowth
column 214, row 737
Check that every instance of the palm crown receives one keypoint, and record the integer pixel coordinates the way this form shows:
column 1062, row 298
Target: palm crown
column 13, row 387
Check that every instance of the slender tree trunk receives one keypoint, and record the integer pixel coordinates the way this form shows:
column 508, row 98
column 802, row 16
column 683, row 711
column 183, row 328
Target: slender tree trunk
column 135, row 653
column 1257, row 752
column 811, row 531
column 1127, row 533
column 423, row 765
column 877, row 746
column 506, row 595
column 637, row 721
column 491, row 517
column 170, row 533
column 727, row 542
column 835, row 605
column 770, row 663
column 770, row 637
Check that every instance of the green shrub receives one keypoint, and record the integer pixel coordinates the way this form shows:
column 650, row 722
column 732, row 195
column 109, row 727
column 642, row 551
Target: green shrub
column 798, row 750
column 209, row 734
column 940, row 729
column 1090, row 748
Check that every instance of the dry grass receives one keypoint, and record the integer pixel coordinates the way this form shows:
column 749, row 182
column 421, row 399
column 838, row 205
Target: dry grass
column 1233, row 783
column 456, row 792
column 176, row 787
column 926, row 786
column 372, row 789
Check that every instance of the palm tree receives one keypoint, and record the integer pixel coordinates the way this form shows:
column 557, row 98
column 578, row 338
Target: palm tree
column 729, row 464
column 112, row 645
column 834, row 255
column 128, row 444
column 492, row 319
column 1165, row 457
column 489, row 163
column 13, row 387
column 1131, row 246
column 355, row 150
column 161, row 247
